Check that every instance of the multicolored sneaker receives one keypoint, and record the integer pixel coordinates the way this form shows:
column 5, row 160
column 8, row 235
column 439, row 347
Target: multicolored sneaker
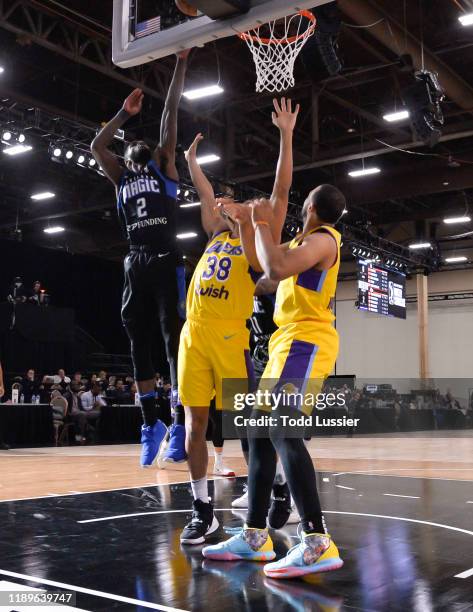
column 248, row 544
column 151, row 440
column 176, row 448
column 315, row 553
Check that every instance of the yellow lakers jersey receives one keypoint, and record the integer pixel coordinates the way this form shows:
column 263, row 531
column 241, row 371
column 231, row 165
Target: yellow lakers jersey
column 308, row 296
column 223, row 283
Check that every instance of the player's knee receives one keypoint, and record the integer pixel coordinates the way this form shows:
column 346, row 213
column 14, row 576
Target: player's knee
column 196, row 424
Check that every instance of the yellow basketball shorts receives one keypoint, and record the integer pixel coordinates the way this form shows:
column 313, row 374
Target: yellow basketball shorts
column 211, row 351
column 301, row 356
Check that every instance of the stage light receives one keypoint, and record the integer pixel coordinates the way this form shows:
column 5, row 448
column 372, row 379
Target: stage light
column 186, row 235
column 364, row 172
column 7, row 136
column 21, row 138
column 44, row 195
column 396, row 116
column 81, row 159
column 186, row 193
column 423, row 98
column 203, row 92
column 92, row 162
column 190, row 205
column 420, row 245
column 17, row 150
column 57, row 152
column 69, row 154
column 207, row 159
column 466, row 20
column 178, row 192
column 2, row 69
column 456, row 259
column 56, row 229
column 451, row 220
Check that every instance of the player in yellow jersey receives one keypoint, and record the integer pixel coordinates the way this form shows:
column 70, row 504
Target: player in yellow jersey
column 302, row 353
column 215, row 340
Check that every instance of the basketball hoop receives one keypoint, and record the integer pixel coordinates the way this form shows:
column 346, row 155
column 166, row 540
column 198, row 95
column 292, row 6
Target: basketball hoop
column 275, row 47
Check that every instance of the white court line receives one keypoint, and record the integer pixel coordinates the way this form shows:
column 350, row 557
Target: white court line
column 400, row 518
column 162, row 484
column 103, row 594
column 371, row 473
column 465, row 574
column 469, row 502
column 395, row 495
column 120, row 516
column 343, row 487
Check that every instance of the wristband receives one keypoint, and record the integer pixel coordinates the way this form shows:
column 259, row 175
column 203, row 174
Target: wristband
column 261, row 223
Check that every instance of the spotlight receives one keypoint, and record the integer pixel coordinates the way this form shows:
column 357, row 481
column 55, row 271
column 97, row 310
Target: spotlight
column 57, row 152
column 69, row 154
column 466, row 20
column 56, row 229
column 2, row 69
column 452, row 220
column 420, row 245
column 17, row 150
column 21, row 138
column 364, row 172
column 186, row 235
column 396, row 116
column 92, row 162
column 455, row 259
column 44, row 195
column 186, row 193
column 203, row 92
column 6, row 136
column 207, row 159
column 81, row 159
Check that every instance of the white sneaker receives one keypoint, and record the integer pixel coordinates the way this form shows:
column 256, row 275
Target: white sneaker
column 241, row 502
column 221, row 470
column 293, row 517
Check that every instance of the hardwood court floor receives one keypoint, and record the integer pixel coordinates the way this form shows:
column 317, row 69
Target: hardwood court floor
column 26, row 473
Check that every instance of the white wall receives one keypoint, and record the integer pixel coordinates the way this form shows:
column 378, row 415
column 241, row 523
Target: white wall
column 374, row 346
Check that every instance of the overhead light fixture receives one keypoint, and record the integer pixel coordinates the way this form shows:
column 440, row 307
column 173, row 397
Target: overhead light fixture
column 69, row 154
column 7, row 136
column 56, row 229
column 466, row 20
column 364, row 172
column 396, row 116
column 2, row 69
column 456, row 259
column 17, row 150
column 207, row 159
column 203, row 92
column 92, row 162
column 186, row 235
column 451, row 220
column 190, row 205
column 21, row 138
column 420, row 245
column 186, row 193
column 44, row 195
column 57, row 152
column 81, row 159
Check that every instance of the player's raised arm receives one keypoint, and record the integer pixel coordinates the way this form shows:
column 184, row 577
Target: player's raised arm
column 241, row 214
column 284, row 118
column 165, row 154
column 277, row 261
column 107, row 160
column 211, row 222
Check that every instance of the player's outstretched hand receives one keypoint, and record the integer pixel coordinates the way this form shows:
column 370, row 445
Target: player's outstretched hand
column 134, row 102
column 284, row 117
column 238, row 212
column 192, row 150
column 261, row 210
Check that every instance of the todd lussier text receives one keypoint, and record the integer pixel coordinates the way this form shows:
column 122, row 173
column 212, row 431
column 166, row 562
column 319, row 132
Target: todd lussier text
column 284, row 420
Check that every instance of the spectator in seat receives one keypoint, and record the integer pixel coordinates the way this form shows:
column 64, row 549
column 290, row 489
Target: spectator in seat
column 122, row 394
column 61, row 379
column 110, row 392
column 35, row 295
column 77, row 415
column 103, row 379
column 30, row 386
column 3, row 446
column 91, row 404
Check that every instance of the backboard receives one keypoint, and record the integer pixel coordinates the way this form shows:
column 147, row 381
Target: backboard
column 139, row 35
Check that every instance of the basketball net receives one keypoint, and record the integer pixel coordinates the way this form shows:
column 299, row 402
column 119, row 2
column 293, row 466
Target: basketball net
column 275, row 47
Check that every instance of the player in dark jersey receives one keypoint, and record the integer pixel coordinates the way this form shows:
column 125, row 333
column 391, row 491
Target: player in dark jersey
column 146, row 199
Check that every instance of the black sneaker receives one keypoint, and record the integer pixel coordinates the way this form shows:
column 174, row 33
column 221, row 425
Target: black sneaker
column 280, row 509
column 203, row 523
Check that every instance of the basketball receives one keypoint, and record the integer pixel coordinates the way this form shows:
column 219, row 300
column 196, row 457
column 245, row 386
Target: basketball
column 186, row 8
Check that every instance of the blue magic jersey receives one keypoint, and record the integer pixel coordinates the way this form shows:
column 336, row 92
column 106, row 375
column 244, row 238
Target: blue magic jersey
column 147, row 208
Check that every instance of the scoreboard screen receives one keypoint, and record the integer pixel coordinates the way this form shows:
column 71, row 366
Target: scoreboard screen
column 381, row 290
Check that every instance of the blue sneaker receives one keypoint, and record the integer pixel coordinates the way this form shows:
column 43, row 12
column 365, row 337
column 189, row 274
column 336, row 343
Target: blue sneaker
column 176, row 448
column 315, row 553
column 248, row 544
column 151, row 440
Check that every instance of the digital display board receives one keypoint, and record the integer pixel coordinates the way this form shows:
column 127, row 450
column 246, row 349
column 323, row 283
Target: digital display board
column 380, row 290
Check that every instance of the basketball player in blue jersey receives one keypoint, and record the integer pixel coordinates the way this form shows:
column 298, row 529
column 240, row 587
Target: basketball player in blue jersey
column 147, row 201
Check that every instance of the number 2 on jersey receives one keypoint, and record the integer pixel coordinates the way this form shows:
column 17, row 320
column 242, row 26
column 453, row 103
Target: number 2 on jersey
column 141, row 207
column 219, row 269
